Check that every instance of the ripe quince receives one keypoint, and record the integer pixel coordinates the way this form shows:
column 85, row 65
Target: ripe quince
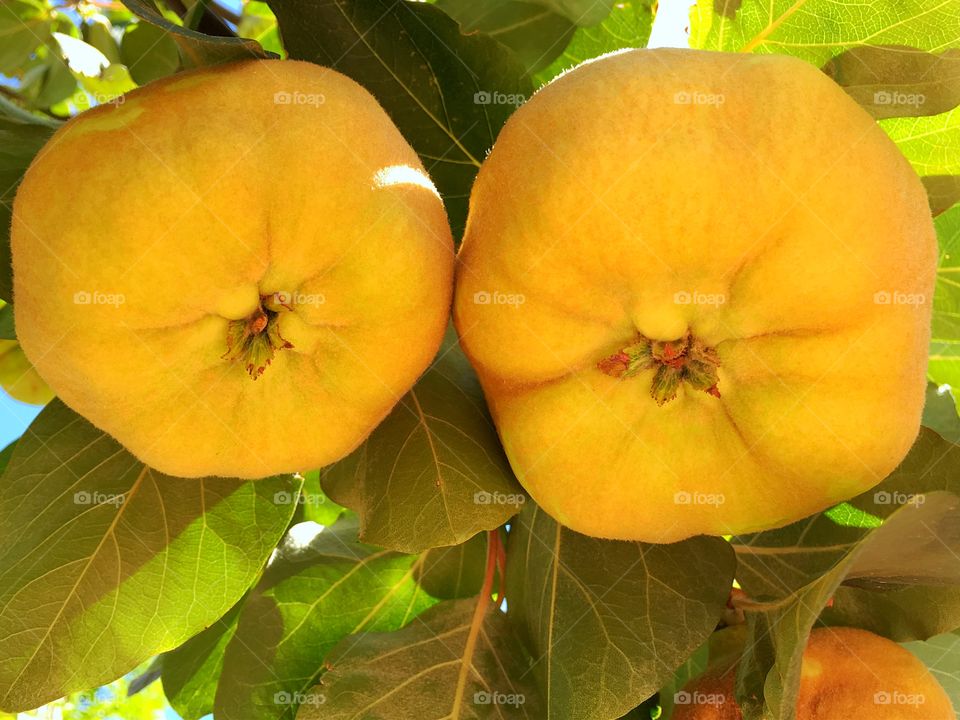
column 234, row 271
column 697, row 290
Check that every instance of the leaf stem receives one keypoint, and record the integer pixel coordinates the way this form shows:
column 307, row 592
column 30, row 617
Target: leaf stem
column 466, row 663
column 501, row 568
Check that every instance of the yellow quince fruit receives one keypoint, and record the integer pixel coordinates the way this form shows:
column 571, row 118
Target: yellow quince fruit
column 697, row 290
column 235, row 271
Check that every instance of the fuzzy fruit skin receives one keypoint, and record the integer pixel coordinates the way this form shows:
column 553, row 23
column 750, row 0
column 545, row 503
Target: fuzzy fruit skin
column 605, row 200
column 845, row 673
column 192, row 199
column 19, row 378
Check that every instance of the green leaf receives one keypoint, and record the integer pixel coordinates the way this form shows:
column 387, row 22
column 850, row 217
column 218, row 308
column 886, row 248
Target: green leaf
column 191, row 672
column 913, row 545
column 581, row 12
column 900, row 613
column 97, row 32
column 627, row 26
column 198, row 49
column 944, row 365
column 897, row 81
column 454, row 572
column 536, row 34
column 320, row 587
column 932, row 145
column 149, row 52
column 314, row 504
column 106, row 562
column 7, row 329
column 24, row 25
column 6, row 454
column 433, row 473
column 58, row 83
column 19, row 142
column 602, row 615
column 940, row 413
column 942, row 655
column 448, row 93
column 817, row 30
column 415, row 673
column 258, row 22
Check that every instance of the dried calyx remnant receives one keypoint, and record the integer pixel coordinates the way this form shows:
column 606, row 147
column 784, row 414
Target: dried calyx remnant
column 675, row 361
column 254, row 340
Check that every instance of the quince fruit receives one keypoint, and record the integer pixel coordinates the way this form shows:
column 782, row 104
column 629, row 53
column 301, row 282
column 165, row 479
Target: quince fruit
column 697, row 290
column 235, row 271
column 845, row 673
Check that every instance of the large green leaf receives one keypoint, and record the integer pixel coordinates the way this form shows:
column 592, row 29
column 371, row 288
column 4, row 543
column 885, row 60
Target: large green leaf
column 19, row 143
column 932, row 145
column 433, row 473
column 817, row 30
column 450, row 663
column 602, row 617
column 536, row 34
column 320, row 587
column 198, row 49
column 106, row 562
column 944, row 367
column 448, row 93
column 191, row 672
column 627, row 26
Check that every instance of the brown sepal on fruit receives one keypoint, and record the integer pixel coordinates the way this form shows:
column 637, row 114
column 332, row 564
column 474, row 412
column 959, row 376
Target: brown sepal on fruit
column 254, row 341
column 675, row 361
